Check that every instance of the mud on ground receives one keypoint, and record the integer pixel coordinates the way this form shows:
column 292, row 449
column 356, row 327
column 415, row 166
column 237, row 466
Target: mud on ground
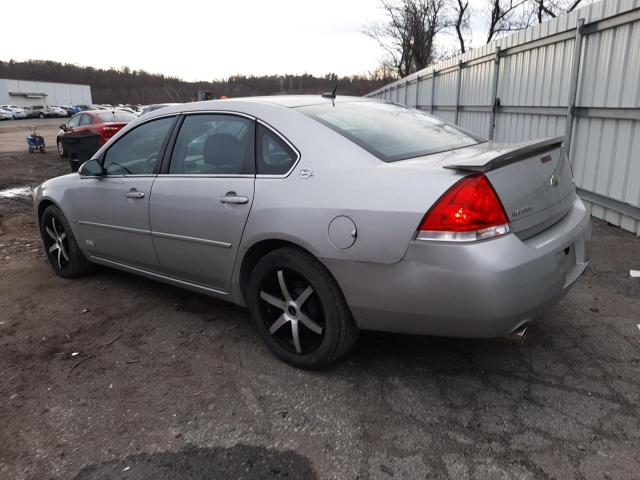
column 118, row 377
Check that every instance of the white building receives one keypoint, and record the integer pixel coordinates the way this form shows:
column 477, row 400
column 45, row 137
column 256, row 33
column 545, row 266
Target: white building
column 26, row 92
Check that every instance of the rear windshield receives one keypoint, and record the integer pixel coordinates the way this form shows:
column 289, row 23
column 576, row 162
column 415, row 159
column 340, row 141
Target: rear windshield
column 115, row 116
column 390, row 132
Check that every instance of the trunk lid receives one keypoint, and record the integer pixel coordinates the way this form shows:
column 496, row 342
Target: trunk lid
column 533, row 180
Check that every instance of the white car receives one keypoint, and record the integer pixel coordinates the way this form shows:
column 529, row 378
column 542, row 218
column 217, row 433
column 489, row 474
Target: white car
column 5, row 114
column 16, row 111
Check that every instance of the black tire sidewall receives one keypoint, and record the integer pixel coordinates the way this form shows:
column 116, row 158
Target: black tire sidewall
column 78, row 264
column 328, row 293
column 60, row 145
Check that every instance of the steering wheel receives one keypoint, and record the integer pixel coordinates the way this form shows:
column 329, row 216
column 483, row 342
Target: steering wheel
column 120, row 166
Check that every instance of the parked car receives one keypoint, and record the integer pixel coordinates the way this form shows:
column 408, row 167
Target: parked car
column 45, row 111
column 5, row 114
column 127, row 109
column 157, row 106
column 70, row 110
column 105, row 123
column 17, row 112
column 326, row 216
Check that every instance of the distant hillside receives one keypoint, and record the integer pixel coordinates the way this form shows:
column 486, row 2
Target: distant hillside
column 128, row 86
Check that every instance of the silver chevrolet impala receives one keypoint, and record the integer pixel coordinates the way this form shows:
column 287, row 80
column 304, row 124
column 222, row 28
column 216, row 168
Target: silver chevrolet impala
column 325, row 216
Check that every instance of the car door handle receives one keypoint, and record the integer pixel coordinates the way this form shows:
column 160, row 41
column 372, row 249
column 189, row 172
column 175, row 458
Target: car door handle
column 233, row 197
column 135, row 194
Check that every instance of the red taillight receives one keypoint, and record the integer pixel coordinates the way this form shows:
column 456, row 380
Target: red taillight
column 470, row 210
column 108, row 131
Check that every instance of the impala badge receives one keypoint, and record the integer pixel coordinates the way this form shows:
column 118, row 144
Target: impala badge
column 521, row 211
column 554, row 180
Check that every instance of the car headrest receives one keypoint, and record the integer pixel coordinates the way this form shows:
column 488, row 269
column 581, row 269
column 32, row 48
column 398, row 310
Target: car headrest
column 223, row 149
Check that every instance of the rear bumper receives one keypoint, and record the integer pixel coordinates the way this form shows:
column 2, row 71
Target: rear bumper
column 479, row 290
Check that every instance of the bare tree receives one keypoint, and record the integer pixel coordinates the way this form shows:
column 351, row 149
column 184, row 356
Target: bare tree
column 408, row 35
column 508, row 16
column 545, row 9
column 461, row 21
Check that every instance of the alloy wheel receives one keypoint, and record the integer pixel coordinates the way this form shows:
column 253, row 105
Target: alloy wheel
column 57, row 246
column 60, row 148
column 292, row 312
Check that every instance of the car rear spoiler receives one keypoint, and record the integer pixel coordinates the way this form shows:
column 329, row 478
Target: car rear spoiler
column 501, row 157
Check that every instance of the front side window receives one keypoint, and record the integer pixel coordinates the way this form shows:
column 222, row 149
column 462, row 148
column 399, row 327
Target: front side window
column 275, row 157
column 139, row 150
column 390, row 132
column 73, row 121
column 213, row 144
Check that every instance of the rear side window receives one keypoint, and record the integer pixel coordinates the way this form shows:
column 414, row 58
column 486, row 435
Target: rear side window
column 138, row 151
column 275, row 157
column 390, row 132
column 85, row 119
column 213, row 144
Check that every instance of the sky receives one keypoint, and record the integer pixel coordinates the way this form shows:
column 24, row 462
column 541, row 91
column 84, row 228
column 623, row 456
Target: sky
column 201, row 40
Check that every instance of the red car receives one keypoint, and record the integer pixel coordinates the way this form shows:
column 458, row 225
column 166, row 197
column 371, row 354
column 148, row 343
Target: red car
column 104, row 122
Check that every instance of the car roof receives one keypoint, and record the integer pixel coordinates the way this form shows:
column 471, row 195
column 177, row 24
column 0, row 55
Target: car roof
column 293, row 101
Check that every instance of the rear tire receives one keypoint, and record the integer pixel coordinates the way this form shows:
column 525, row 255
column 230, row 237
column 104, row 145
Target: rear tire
column 307, row 322
column 60, row 246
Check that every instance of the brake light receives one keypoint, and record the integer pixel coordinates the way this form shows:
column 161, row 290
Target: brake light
column 468, row 211
column 107, row 131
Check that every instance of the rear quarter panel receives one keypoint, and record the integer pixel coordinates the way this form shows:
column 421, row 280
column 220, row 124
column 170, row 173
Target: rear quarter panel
column 386, row 201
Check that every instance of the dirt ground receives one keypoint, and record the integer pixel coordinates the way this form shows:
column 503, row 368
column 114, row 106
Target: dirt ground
column 118, row 377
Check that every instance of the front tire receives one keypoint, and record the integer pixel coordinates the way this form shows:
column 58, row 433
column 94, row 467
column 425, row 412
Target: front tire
column 61, row 150
column 60, row 246
column 41, row 115
column 299, row 310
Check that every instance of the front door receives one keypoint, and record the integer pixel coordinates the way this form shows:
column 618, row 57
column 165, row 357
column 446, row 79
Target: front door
column 112, row 211
column 200, row 205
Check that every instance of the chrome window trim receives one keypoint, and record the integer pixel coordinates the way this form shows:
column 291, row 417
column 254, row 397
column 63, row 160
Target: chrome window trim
column 285, row 140
column 223, row 112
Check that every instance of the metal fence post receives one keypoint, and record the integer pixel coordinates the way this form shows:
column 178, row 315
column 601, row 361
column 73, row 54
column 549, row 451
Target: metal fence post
column 417, row 90
column 573, row 87
column 494, row 94
column 406, row 91
column 434, row 73
column 458, row 91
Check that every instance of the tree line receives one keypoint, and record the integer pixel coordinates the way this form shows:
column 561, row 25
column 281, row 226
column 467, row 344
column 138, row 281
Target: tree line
column 127, row 86
column 412, row 31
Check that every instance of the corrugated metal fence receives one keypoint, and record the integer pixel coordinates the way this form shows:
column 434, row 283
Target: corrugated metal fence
column 525, row 86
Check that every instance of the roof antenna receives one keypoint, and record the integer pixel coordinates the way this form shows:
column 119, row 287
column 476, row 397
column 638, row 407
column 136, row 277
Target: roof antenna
column 331, row 94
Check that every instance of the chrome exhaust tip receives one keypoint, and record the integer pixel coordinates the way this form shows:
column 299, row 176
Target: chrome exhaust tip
column 518, row 335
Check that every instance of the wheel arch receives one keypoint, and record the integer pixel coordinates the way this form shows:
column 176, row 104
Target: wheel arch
column 261, row 248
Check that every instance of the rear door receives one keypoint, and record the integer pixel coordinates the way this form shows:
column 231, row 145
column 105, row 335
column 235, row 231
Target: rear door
column 201, row 200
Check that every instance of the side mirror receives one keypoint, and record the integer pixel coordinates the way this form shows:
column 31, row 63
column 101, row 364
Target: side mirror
column 63, row 127
column 91, row 168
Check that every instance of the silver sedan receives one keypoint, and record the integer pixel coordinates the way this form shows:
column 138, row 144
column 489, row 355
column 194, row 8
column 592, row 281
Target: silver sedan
column 325, row 216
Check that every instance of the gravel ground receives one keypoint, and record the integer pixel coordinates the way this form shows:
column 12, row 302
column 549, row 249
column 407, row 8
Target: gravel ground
column 118, row 377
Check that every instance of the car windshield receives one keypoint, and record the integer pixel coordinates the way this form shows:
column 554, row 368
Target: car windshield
column 117, row 116
column 390, row 132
